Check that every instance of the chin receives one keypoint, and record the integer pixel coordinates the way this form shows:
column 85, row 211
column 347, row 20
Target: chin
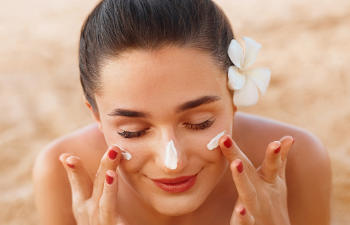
column 177, row 206
column 181, row 204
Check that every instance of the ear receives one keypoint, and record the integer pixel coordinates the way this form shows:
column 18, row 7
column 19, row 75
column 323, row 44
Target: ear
column 95, row 115
column 234, row 107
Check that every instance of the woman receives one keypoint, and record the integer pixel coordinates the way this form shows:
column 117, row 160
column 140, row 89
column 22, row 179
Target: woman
column 155, row 77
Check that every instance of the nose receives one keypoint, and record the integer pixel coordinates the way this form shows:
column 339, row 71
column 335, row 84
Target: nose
column 171, row 156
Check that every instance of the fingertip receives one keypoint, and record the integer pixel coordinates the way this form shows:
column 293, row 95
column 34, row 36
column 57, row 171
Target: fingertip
column 276, row 144
column 118, row 156
column 288, row 137
column 110, row 173
column 277, row 148
column 63, row 156
column 242, row 211
column 236, row 162
column 72, row 161
column 108, row 198
column 116, row 148
column 274, row 147
column 292, row 139
column 226, row 141
column 63, row 159
column 225, row 147
column 237, row 165
column 243, row 216
column 110, row 176
column 222, row 139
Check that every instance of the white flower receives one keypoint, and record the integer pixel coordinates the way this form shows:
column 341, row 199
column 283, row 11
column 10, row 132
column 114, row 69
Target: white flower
column 245, row 81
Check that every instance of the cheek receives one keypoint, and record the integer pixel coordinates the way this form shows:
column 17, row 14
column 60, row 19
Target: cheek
column 201, row 151
column 138, row 151
column 200, row 141
column 194, row 144
column 140, row 157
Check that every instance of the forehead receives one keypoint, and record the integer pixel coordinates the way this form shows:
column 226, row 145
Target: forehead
column 166, row 77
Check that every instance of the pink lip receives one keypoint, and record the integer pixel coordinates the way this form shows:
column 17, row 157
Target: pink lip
column 179, row 184
column 174, row 180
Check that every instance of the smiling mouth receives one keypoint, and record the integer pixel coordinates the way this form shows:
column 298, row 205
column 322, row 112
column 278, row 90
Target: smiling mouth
column 176, row 185
column 176, row 180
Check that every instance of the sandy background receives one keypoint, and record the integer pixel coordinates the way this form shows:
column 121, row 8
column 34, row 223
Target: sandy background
column 305, row 43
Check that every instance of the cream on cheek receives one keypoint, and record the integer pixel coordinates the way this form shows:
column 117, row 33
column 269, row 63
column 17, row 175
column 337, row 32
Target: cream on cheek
column 170, row 159
column 214, row 142
column 125, row 154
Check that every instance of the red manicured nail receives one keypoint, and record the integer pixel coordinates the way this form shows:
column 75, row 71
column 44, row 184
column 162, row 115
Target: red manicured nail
column 242, row 212
column 228, row 142
column 109, row 179
column 112, row 154
column 70, row 161
column 277, row 150
column 240, row 167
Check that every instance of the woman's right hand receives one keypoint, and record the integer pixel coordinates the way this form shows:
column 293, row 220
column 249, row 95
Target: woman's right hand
column 94, row 203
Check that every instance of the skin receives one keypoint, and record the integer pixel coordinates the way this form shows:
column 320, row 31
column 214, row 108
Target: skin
column 171, row 76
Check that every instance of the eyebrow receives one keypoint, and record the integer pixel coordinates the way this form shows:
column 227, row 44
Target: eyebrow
column 183, row 107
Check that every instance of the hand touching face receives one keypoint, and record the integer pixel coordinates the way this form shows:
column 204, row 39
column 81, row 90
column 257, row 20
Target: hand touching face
column 262, row 191
column 94, row 202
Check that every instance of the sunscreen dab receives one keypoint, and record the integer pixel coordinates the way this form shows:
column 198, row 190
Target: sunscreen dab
column 125, row 153
column 170, row 160
column 214, row 143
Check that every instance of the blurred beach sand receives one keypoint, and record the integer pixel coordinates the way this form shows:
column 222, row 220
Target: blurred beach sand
column 305, row 44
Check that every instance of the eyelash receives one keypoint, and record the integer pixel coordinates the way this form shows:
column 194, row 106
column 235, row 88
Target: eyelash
column 201, row 126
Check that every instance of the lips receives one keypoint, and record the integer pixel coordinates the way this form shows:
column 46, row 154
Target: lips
column 174, row 180
column 176, row 185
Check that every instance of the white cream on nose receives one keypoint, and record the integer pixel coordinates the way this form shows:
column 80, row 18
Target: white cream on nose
column 170, row 159
column 213, row 143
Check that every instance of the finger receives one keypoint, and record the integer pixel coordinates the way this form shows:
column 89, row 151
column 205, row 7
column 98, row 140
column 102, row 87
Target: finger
column 231, row 151
column 287, row 143
column 109, row 161
column 272, row 162
column 78, row 177
column 245, row 188
column 241, row 216
column 108, row 200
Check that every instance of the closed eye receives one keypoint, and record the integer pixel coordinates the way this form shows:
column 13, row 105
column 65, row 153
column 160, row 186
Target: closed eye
column 200, row 126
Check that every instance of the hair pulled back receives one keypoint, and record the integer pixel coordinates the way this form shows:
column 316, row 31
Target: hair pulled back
column 114, row 26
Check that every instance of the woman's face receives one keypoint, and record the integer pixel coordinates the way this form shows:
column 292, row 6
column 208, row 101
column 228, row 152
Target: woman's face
column 158, row 84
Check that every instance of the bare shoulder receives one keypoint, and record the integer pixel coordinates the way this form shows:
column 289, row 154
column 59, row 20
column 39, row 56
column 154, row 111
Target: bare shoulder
column 308, row 170
column 253, row 133
column 49, row 177
column 87, row 142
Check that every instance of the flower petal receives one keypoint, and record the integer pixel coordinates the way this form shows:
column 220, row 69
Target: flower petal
column 246, row 96
column 235, row 52
column 236, row 80
column 261, row 78
column 251, row 51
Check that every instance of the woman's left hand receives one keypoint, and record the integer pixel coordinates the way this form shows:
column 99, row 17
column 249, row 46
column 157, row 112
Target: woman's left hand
column 262, row 192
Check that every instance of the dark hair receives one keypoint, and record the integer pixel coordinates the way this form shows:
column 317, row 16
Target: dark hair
column 114, row 26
